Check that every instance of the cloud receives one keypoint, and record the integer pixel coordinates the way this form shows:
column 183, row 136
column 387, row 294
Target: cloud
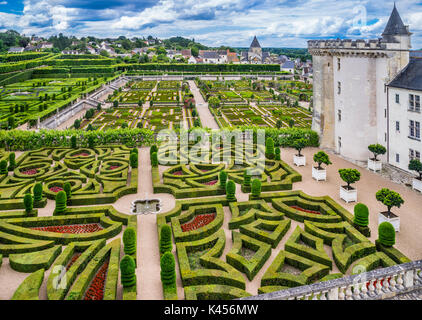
column 215, row 22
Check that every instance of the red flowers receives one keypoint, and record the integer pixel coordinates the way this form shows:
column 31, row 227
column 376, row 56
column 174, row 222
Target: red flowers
column 96, row 289
column 210, row 183
column 178, row 173
column 198, row 222
column 73, row 260
column 113, row 167
column 72, row 228
column 305, row 210
column 55, row 189
column 83, row 154
column 30, row 172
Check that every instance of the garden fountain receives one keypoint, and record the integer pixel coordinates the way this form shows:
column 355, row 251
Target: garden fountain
column 147, row 206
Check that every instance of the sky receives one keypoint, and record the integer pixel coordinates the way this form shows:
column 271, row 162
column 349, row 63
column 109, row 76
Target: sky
column 276, row 23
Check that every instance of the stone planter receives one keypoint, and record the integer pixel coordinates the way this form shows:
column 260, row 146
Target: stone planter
column 299, row 161
column 348, row 195
column 374, row 165
column 393, row 219
column 417, row 184
column 319, row 175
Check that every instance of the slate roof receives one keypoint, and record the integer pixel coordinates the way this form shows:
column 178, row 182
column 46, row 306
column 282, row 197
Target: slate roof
column 410, row 77
column 288, row 65
column 211, row 55
column 395, row 25
column 255, row 43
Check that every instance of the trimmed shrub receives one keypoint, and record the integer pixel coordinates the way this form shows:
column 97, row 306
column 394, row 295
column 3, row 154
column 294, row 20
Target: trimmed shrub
column 127, row 271
column 38, row 192
column 73, row 142
column 165, row 239
column 223, row 179
column 269, row 148
column 134, row 150
column 133, row 160
column 12, row 161
column 256, row 188
column 416, row 165
column 28, row 203
column 246, row 178
column 3, row 167
column 168, row 270
column 386, row 234
column 91, row 141
column 154, row 159
column 68, row 189
column 231, row 190
column 61, row 200
column 153, row 149
column 129, row 241
column 277, row 154
column 299, row 144
column 361, row 217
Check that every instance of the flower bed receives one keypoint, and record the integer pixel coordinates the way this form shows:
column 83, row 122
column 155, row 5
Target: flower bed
column 73, row 260
column 72, row 228
column 210, row 183
column 305, row 210
column 30, row 172
column 55, row 189
column 198, row 222
column 96, row 289
column 83, row 154
column 114, row 167
column 178, row 173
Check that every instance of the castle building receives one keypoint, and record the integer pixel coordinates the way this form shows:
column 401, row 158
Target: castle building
column 350, row 80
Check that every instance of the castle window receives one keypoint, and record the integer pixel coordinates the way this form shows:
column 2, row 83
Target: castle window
column 413, row 154
column 338, row 64
column 397, row 98
column 397, row 126
column 339, row 115
column 414, row 129
column 417, row 103
column 339, row 142
column 385, row 113
column 411, row 102
column 397, row 158
column 338, row 87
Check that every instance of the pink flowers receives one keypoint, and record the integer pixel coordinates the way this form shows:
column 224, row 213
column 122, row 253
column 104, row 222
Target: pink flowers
column 114, row 167
column 30, row 172
column 55, row 189
column 210, row 183
column 178, row 173
column 83, row 154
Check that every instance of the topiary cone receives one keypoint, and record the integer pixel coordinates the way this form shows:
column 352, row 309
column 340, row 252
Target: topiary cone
column 127, row 271
column 361, row 215
column 386, row 234
column 165, row 239
column 129, row 241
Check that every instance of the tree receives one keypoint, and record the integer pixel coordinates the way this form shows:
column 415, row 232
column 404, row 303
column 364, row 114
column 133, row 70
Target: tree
column 246, row 178
column 127, row 271
column 11, row 122
column 129, row 241
column 165, row 239
column 73, row 142
column 115, row 103
column 320, row 158
column 28, row 203
column 77, row 124
column 299, row 144
column 61, row 200
column 389, row 198
column 349, row 176
column 91, row 141
column 416, row 165
column 277, row 154
column 214, row 102
column 279, row 123
column 377, row 150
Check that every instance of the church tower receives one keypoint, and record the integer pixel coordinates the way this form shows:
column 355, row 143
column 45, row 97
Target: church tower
column 255, row 51
column 350, row 98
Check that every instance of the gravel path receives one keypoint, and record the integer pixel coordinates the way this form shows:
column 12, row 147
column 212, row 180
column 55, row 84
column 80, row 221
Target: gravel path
column 202, row 107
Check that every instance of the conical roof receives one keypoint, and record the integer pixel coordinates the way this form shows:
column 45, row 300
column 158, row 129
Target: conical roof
column 255, row 43
column 395, row 25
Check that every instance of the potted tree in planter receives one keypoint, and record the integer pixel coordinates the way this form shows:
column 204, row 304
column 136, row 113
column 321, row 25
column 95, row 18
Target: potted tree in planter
column 348, row 193
column 320, row 173
column 373, row 163
column 299, row 159
column 390, row 199
column 416, row 165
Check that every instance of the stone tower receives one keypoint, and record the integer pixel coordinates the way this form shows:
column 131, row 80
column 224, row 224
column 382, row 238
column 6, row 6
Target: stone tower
column 255, row 48
column 350, row 98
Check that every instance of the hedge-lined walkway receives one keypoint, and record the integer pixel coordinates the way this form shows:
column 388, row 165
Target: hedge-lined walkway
column 204, row 113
